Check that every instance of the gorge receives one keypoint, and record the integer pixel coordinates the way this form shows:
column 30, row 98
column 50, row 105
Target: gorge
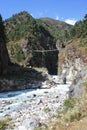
column 31, row 53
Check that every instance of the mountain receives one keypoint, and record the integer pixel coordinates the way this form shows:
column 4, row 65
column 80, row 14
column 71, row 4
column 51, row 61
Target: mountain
column 29, row 42
column 56, row 28
column 26, row 34
column 31, row 25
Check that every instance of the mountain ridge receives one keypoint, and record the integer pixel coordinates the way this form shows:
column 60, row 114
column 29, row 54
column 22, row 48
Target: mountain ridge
column 37, row 35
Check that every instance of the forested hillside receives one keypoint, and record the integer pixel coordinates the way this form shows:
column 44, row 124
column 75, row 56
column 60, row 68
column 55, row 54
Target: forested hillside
column 57, row 29
column 26, row 34
column 76, row 46
column 79, row 31
column 24, row 25
column 52, row 44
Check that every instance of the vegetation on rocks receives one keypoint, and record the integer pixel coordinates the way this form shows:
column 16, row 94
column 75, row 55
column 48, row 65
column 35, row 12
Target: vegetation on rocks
column 17, row 54
column 5, row 124
column 58, row 29
column 79, row 30
column 76, row 46
column 31, row 34
column 73, row 117
column 25, row 35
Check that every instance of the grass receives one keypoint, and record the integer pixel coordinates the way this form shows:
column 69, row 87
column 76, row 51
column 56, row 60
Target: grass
column 85, row 85
column 41, row 126
column 47, row 109
column 5, row 124
column 69, row 103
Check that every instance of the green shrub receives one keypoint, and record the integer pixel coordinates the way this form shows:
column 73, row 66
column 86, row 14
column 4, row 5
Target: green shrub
column 47, row 109
column 85, row 85
column 72, row 115
column 4, row 124
column 69, row 103
column 17, row 54
column 41, row 126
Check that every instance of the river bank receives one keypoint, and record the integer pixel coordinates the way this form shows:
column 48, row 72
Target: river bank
column 28, row 108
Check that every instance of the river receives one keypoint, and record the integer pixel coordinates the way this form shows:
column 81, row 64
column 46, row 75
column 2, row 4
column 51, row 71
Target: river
column 16, row 100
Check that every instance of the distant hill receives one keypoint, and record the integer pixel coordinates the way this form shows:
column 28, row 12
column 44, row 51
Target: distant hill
column 56, row 23
column 56, row 28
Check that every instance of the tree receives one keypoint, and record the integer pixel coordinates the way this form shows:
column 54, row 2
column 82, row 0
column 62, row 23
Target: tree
column 85, row 17
column 79, row 30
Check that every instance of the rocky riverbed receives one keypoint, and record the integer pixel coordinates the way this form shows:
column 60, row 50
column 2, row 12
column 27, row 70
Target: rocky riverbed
column 30, row 107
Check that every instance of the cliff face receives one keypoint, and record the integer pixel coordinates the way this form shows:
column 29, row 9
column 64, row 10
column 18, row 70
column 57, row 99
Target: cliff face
column 73, row 66
column 4, row 57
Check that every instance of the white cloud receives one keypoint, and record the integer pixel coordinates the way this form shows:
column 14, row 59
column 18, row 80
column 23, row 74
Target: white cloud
column 32, row 15
column 70, row 21
column 57, row 18
column 37, row 14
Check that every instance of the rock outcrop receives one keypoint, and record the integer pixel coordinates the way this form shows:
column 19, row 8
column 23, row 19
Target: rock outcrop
column 73, row 67
column 4, row 57
column 76, row 88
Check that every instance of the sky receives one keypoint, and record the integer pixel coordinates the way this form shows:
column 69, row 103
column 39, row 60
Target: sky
column 68, row 11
